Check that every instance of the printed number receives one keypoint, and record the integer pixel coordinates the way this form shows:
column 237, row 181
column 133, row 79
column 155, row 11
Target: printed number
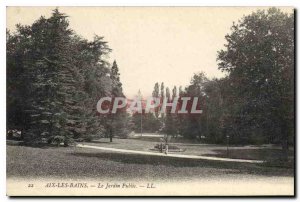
column 30, row 185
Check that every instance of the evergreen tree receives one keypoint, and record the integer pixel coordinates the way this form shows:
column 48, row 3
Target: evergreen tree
column 50, row 99
column 115, row 77
column 59, row 78
column 119, row 122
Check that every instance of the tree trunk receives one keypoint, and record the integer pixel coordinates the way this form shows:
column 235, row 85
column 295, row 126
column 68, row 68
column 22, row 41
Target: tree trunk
column 110, row 135
column 111, row 128
column 284, row 141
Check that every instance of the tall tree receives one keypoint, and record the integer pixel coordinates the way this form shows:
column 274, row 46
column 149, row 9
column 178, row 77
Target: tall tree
column 115, row 77
column 59, row 77
column 118, row 121
column 51, row 92
column 168, row 94
column 180, row 91
column 174, row 92
column 193, row 125
column 162, row 97
column 155, row 94
column 259, row 57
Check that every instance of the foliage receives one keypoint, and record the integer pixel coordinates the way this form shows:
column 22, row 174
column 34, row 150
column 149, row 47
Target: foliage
column 54, row 80
column 259, row 57
column 150, row 123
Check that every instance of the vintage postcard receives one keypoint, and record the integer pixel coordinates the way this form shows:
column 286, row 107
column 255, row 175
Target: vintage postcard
column 150, row 101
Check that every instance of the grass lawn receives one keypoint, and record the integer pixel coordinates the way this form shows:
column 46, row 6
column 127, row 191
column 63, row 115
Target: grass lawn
column 65, row 162
column 265, row 152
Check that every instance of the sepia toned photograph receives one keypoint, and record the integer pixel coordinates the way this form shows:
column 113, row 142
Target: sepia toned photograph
column 150, row 101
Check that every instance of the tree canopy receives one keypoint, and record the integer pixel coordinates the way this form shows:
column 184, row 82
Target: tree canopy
column 55, row 79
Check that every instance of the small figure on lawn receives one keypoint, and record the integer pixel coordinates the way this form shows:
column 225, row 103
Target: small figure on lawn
column 165, row 143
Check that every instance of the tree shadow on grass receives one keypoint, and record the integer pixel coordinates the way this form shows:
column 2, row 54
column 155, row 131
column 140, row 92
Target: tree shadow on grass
column 99, row 142
column 251, row 154
column 141, row 159
column 35, row 145
column 229, row 167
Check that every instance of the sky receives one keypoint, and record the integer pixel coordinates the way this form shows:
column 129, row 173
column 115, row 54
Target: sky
column 150, row 44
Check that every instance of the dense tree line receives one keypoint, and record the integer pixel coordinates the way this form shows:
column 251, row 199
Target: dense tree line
column 254, row 102
column 54, row 80
column 259, row 60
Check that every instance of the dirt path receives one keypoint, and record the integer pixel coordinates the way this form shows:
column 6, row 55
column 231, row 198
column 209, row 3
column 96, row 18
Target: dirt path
column 169, row 154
